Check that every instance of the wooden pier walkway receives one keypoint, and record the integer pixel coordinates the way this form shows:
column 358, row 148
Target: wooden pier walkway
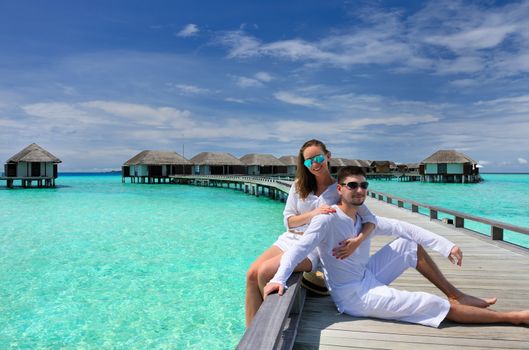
column 490, row 268
column 275, row 188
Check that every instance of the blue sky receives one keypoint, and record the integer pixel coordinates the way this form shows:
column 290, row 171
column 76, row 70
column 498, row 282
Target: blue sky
column 96, row 82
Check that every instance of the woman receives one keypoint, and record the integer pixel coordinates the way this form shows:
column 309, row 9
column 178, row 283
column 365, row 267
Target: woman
column 312, row 193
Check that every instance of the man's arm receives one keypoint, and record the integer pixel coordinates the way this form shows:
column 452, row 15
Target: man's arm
column 348, row 246
column 366, row 215
column 292, row 257
column 443, row 246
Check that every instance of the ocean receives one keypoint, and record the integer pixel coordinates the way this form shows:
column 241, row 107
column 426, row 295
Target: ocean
column 97, row 264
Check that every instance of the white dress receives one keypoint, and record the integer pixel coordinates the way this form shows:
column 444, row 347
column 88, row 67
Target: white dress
column 359, row 283
column 295, row 205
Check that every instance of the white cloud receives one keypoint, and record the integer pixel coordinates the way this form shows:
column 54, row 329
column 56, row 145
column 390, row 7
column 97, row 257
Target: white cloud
column 245, row 82
column 8, row 123
column 263, row 76
column 63, row 113
column 235, row 100
column 400, row 120
column 144, row 114
column 522, row 160
column 293, row 99
column 483, row 37
column 188, row 30
column 240, row 44
column 189, row 89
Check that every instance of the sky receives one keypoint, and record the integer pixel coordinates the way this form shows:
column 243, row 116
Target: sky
column 95, row 82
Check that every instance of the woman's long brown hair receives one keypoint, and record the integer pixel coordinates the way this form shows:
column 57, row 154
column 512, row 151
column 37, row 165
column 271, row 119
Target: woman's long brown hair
column 306, row 181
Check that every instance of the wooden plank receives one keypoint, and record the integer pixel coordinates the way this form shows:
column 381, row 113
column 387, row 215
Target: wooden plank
column 415, row 340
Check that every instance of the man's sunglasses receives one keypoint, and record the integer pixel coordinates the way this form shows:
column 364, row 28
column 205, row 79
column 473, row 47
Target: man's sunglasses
column 318, row 159
column 354, row 185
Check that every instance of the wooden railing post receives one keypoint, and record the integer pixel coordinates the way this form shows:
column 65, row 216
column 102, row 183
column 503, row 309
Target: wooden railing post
column 414, row 208
column 496, row 233
column 460, row 222
column 400, row 204
column 433, row 214
column 389, row 200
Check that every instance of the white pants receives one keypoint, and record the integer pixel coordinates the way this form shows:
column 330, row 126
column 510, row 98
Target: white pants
column 372, row 297
column 288, row 239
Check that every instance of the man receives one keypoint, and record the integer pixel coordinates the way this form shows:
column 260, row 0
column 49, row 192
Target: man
column 359, row 284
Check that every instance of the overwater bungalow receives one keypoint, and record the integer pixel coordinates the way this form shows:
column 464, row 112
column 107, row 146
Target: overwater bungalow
column 402, row 168
column 155, row 166
column 216, row 163
column 338, row 163
column 364, row 164
column 291, row 163
column 413, row 167
column 32, row 164
column 449, row 166
column 382, row 166
column 263, row 164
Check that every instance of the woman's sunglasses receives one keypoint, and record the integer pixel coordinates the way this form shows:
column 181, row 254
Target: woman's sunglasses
column 354, row 185
column 318, row 159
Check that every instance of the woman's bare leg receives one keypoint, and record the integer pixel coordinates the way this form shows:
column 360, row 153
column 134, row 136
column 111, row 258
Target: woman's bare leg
column 471, row 314
column 269, row 268
column 254, row 298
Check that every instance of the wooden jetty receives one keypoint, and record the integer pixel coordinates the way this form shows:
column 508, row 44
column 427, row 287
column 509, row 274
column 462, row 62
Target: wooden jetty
column 400, row 176
column 491, row 267
column 273, row 187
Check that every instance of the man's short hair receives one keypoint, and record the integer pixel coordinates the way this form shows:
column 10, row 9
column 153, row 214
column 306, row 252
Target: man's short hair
column 349, row 170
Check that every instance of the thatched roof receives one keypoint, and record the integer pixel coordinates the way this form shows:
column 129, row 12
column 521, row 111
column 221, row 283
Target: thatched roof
column 381, row 162
column 261, row 160
column 356, row 162
column 33, row 153
column 412, row 165
column 157, row 158
column 363, row 163
column 289, row 160
column 341, row 162
column 215, row 158
column 448, row 156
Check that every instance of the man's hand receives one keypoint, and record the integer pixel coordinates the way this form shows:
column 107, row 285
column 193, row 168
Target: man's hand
column 456, row 256
column 272, row 288
column 346, row 248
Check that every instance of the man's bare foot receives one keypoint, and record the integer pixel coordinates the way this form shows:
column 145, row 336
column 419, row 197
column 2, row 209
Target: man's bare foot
column 465, row 299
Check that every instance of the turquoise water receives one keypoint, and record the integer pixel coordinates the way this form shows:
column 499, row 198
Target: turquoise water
column 98, row 264
column 502, row 197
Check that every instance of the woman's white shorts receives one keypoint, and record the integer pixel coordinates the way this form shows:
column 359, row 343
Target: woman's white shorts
column 288, row 239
